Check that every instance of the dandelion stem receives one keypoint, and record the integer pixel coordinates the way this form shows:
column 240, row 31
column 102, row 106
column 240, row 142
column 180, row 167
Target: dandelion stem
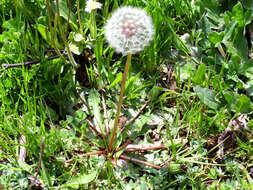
column 79, row 17
column 67, row 27
column 93, row 27
column 116, row 121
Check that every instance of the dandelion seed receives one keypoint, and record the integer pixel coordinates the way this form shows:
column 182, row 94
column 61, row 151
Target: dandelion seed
column 129, row 30
column 91, row 5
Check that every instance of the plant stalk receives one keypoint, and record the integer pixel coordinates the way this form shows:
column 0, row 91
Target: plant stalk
column 53, row 36
column 70, row 56
column 124, row 145
column 79, row 17
column 67, row 27
column 93, row 153
column 139, row 161
column 93, row 27
column 95, row 129
column 145, row 148
column 116, row 121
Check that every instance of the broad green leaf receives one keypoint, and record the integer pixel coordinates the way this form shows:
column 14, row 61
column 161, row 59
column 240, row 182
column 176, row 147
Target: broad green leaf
column 205, row 25
column 216, row 38
column 174, row 168
column 238, row 45
column 229, row 31
column 199, row 77
column 234, row 64
column 94, row 103
column 78, row 37
column 213, row 5
column 214, row 18
column 237, row 103
column 247, row 4
column 231, row 98
column 80, row 115
column 241, row 44
column 186, row 70
column 212, row 173
column 42, row 29
column 242, row 104
column 75, row 48
column 245, row 66
column 249, row 87
column 249, row 73
column 248, row 16
column 249, row 91
column 80, row 180
column 139, row 123
column 238, row 14
column 98, row 50
column 14, row 24
column 116, row 80
column 208, row 97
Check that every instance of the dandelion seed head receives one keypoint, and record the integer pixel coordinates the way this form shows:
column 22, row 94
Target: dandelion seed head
column 129, row 30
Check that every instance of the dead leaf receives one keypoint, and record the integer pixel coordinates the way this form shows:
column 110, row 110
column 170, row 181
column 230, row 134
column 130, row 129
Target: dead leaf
column 236, row 128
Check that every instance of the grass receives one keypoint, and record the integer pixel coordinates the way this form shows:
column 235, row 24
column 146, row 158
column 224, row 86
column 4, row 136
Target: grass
column 196, row 76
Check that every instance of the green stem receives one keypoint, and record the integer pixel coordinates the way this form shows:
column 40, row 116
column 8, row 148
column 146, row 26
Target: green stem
column 98, row 42
column 79, row 17
column 52, row 35
column 116, row 121
column 49, row 19
column 3, row 13
column 67, row 27
column 59, row 21
column 71, row 58
column 93, row 26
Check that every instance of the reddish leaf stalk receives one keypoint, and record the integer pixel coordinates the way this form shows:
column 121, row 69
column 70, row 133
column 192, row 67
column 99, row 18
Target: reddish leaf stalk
column 123, row 146
column 93, row 153
column 145, row 148
column 95, row 129
column 134, row 117
column 137, row 114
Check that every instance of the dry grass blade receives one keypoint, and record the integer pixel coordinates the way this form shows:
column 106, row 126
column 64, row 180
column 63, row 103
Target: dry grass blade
column 22, row 150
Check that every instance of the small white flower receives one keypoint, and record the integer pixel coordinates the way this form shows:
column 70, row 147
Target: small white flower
column 129, row 30
column 91, row 5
